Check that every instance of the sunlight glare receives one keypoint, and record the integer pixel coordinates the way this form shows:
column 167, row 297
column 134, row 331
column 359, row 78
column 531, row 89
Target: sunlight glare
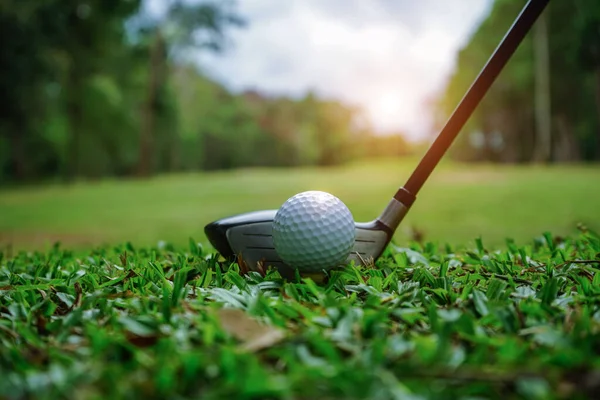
column 390, row 109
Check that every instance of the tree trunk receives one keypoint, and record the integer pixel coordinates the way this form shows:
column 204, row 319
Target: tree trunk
column 18, row 154
column 74, row 121
column 598, row 110
column 543, row 118
column 174, row 155
column 148, row 123
column 566, row 147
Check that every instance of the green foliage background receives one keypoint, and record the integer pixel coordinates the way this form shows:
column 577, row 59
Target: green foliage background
column 98, row 88
column 101, row 88
column 508, row 110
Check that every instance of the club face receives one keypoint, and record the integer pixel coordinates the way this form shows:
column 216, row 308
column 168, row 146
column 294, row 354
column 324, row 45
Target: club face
column 250, row 235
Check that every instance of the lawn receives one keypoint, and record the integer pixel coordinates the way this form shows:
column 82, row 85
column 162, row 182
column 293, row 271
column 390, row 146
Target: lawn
column 112, row 313
column 458, row 204
column 124, row 322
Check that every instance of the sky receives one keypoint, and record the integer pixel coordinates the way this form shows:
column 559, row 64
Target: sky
column 389, row 57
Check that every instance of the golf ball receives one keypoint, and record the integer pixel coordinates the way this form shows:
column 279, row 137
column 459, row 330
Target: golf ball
column 313, row 231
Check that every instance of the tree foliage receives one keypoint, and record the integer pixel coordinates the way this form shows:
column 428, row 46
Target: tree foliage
column 101, row 88
column 504, row 127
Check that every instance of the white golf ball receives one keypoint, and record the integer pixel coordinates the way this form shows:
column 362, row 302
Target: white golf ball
column 313, row 231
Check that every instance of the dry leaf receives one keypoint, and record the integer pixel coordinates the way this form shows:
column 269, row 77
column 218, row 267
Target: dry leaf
column 243, row 266
column 253, row 335
column 141, row 341
column 40, row 324
column 124, row 295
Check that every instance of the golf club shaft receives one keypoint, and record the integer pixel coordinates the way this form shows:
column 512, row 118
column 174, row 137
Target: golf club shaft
column 476, row 92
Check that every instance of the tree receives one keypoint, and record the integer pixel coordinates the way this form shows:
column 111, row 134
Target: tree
column 588, row 13
column 86, row 34
column 557, row 62
column 543, row 116
column 504, row 124
column 24, row 71
column 183, row 27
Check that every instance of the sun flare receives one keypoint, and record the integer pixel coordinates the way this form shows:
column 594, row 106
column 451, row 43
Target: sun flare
column 389, row 109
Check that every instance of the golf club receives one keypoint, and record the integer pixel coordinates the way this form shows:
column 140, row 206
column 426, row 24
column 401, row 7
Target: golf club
column 249, row 235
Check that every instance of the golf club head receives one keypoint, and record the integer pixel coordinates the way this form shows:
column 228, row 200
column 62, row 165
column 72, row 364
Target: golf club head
column 250, row 235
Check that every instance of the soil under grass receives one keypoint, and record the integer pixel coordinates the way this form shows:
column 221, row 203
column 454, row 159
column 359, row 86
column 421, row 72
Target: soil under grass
column 426, row 322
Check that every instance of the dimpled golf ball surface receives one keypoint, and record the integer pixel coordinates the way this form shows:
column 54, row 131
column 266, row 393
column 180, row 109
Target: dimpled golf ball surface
column 313, row 231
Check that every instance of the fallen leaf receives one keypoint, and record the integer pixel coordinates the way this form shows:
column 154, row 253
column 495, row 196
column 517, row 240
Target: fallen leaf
column 124, row 295
column 243, row 266
column 138, row 333
column 141, row 341
column 40, row 324
column 254, row 335
column 268, row 339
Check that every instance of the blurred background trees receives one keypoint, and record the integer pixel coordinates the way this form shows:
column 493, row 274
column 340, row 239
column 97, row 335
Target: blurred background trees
column 545, row 106
column 97, row 88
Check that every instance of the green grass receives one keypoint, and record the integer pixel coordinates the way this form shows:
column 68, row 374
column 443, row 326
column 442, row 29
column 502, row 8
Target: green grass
column 520, row 322
column 449, row 317
column 458, row 204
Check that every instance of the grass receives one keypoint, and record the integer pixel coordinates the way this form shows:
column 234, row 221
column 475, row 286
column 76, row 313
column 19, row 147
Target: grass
column 458, row 204
column 425, row 322
column 129, row 306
